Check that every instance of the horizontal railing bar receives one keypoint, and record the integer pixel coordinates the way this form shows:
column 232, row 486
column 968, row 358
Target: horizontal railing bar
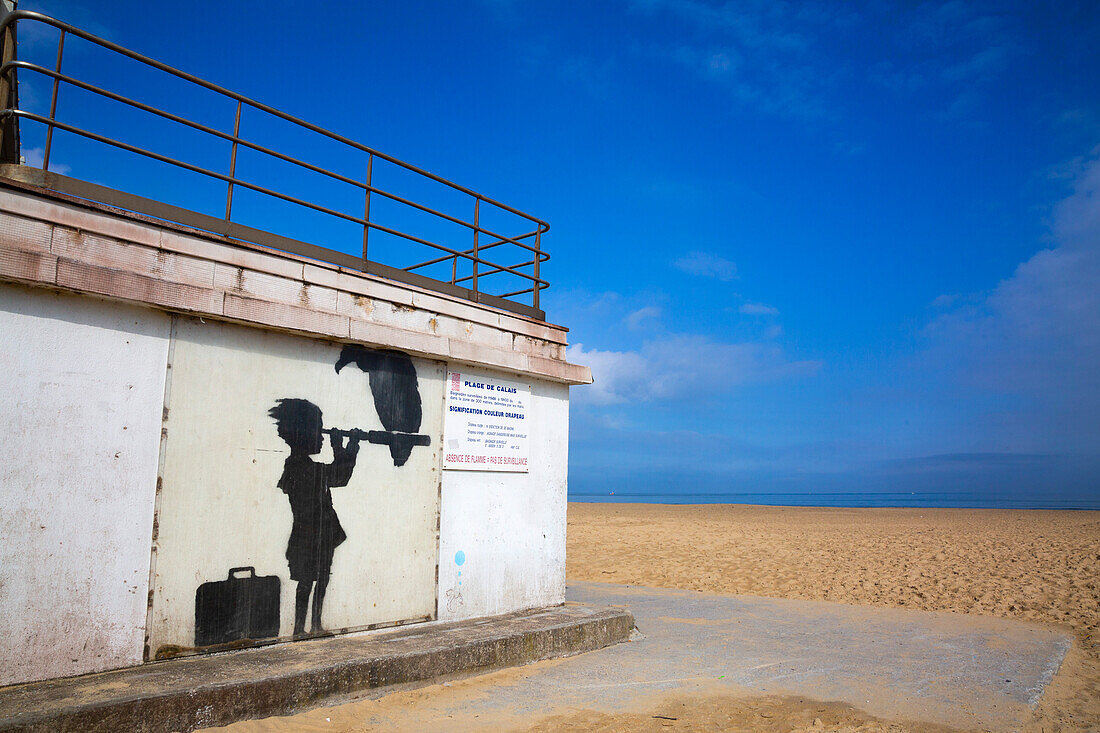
column 260, row 189
column 259, row 148
column 61, row 25
column 178, row 163
column 455, row 252
column 544, row 256
column 517, row 292
column 499, row 268
column 437, row 260
column 376, row 268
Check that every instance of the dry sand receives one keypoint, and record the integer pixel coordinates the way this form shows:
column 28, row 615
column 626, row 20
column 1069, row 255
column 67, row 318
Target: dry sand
column 1036, row 565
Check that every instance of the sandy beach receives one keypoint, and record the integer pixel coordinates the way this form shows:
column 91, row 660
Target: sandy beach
column 1040, row 566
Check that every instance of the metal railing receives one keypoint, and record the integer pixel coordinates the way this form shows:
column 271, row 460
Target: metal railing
column 528, row 244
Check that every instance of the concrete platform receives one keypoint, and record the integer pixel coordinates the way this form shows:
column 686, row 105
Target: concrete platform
column 196, row 692
column 954, row 670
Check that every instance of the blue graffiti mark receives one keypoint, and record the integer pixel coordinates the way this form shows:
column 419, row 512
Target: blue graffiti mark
column 460, row 557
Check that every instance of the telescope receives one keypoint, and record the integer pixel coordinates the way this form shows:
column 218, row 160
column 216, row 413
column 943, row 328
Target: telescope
column 379, row 437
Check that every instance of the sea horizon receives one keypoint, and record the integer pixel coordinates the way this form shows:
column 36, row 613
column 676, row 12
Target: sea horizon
column 848, row 500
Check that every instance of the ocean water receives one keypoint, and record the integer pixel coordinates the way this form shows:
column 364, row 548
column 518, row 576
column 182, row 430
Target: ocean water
column 971, row 499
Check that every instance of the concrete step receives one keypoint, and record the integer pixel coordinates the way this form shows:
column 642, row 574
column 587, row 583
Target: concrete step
column 217, row 689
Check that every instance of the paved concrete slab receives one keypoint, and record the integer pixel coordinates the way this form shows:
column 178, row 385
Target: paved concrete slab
column 950, row 669
column 202, row 691
column 954, row 669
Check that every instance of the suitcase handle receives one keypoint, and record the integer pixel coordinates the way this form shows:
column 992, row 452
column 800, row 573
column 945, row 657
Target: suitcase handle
column 248, row 569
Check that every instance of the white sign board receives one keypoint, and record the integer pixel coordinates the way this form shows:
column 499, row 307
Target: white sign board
column 485, row 423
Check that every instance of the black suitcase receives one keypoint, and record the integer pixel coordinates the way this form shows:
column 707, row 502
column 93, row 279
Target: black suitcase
column 237, row 608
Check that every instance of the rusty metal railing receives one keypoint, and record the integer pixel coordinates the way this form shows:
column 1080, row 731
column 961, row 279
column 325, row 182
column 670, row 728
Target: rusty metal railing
column 528, row 243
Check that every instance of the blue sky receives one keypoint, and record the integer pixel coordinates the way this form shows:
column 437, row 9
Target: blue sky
column 809, row 249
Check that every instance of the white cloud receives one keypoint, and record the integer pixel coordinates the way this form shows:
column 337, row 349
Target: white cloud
column 707, row 265
column 642, row 317
column 782, row 57
column 758, row 309
column 720, row 62
column 616, row 375
column 1076, row 221
column 771, row 56
column 1036, row 335
column 681, row 366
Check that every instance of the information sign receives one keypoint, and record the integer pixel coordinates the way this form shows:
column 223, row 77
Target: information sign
column 485, row 423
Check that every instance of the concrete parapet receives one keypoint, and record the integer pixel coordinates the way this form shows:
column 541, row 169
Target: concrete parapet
column 51, row 241
column 197, row 692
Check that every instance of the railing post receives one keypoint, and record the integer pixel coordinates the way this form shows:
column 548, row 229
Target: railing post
column 366, row 205
column 9, row 96
column 53, row 103
column 477, row 230
column 538, row 261
column 233, row 163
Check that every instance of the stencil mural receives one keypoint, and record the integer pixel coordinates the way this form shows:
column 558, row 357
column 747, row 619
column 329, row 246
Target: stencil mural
column 299, row 489
column 239, row 607
column 396, row 398
column 316, row 532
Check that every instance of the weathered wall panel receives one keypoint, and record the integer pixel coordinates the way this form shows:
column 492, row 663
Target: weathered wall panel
column 221, row 504
column 502, row 536
column 83, row 385
column 84, row 391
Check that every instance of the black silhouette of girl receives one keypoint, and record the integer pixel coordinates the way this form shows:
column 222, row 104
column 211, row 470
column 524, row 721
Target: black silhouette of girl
column 316, row 531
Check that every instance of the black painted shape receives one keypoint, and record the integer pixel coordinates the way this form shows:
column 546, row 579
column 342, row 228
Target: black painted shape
column 237, row 608
column 393, row 386
column 316, row 531
column 379, row 437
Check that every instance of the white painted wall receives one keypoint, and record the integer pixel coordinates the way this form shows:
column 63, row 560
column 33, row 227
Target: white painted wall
column 220, row 506
column 81, row 405
column 509, row 527
column 83, row 386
